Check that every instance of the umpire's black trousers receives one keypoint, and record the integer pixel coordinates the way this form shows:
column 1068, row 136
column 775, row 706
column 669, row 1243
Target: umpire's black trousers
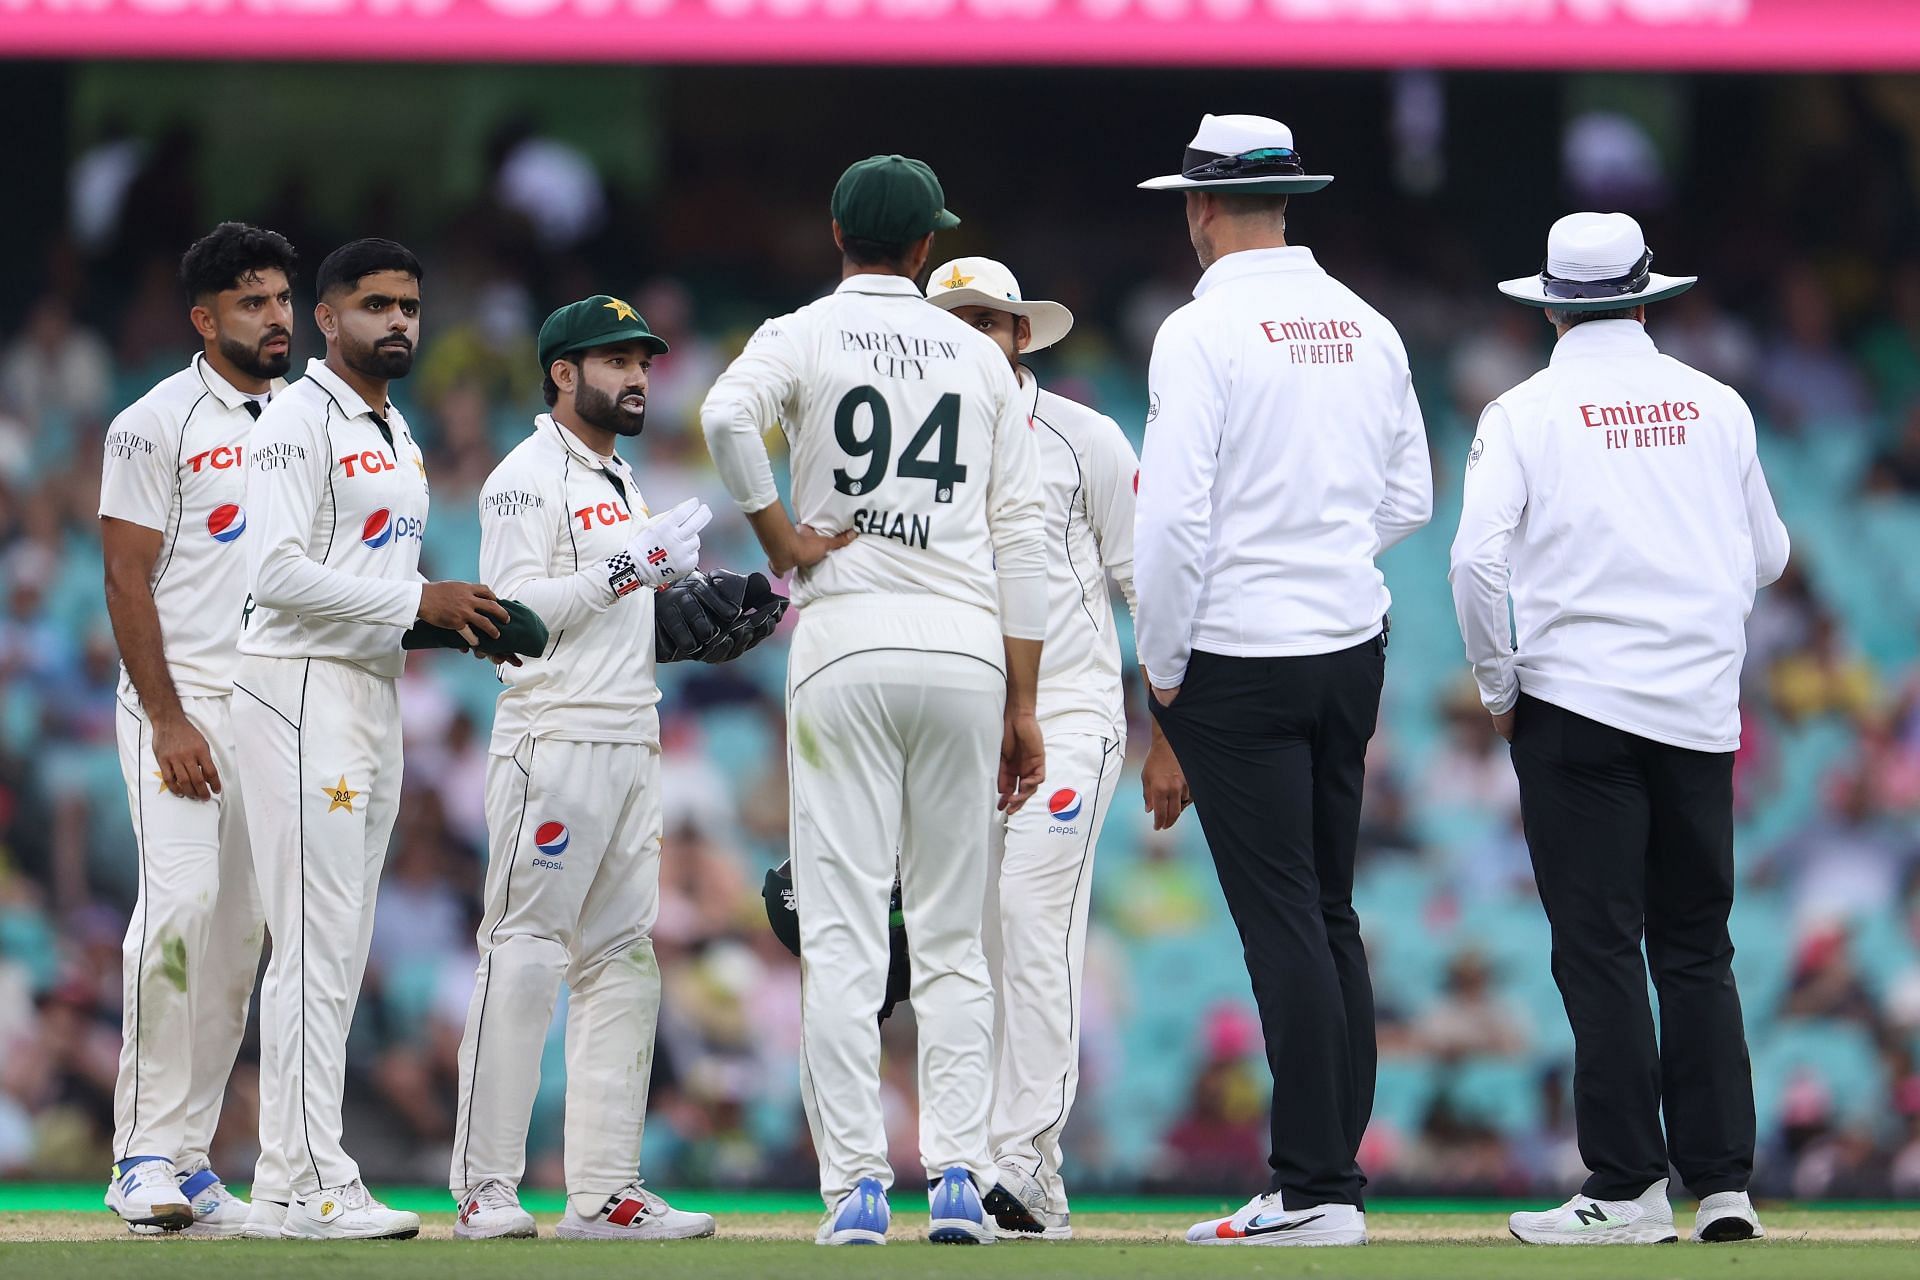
column 1631, row 836
column 1274, row 750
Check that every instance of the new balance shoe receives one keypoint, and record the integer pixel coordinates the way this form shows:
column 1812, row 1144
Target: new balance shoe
column 1264, row 1220
column 346, row 1213
column 491, row 1211
column 264, row 1220
column 861, row 1217
column 1584, row 1220
column 958, row 1217
column 145, row 1192
column 1726, row 1217
column 635, row 1213
column 1018, row 1205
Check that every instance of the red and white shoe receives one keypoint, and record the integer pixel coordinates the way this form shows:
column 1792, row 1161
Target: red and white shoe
column 1263, row 1220
column 635, row 1213
column 491, row 1211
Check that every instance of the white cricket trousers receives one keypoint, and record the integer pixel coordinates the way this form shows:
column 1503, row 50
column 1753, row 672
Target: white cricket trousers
column 321, row 764
column 573, row 887
column 192, row 947
column 1039, row 888
column 894, row 723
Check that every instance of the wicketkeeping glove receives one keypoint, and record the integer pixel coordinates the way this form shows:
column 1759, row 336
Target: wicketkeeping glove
column 687, row 616
column 757, row 611
column 785, row 922
column 666, row 546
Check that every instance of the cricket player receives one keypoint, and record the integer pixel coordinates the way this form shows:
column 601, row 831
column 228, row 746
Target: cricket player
column 172, row 495
column 573, row 797
column 337, row 495
column 1041, row 858
column 915, row 662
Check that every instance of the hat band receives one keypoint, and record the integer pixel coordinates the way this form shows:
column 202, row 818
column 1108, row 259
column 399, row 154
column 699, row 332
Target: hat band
column 1634, row 281
column 1259, row 163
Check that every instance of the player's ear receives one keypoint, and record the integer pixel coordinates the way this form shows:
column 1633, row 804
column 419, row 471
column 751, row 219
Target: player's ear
column 203, row 321
column 325, row 321
column 562, row 371
column 1022, row 333
column 839, row 236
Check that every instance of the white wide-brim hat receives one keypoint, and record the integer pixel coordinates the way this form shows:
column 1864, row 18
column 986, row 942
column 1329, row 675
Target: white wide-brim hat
column 1249, row 154
column 982, row 282
column 1596, row 262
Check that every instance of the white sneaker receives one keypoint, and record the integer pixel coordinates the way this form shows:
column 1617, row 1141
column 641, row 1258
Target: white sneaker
column 346, row 1213
column 1019, row 1208
column 492, row 1212
column 1264, row 1220
column 264, row 1220
column 217, row 1212
column 635, row 1213
column 1726, row 1217
column 146, row 1193
column 1584, row 1220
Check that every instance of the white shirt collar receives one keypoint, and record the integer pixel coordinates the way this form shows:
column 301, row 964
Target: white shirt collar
column 883, row 284
column 575, row 446
column 1250, row 262
column 1604, row 338
column 343, row 395
column 225, row 392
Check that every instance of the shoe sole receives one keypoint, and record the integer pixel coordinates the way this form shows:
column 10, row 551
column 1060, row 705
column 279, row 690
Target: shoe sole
column 566, row 1232
column 1009, row 1214
column 1045, row 1233
column 167, row 1218
column 1332, row 1240
column 854, row 1235
column 405, row 1233
column 527, row 1232
column 1730, row 1230
column 1670, row 1236
column 959, row 1231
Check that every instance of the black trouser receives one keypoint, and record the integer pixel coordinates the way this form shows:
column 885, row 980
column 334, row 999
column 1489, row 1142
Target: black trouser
column 1275, row 751
column 1631, row 836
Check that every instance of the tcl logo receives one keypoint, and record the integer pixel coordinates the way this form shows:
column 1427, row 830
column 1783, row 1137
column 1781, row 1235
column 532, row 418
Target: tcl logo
column 368, row 462
column 218, row 458
column 601, row 513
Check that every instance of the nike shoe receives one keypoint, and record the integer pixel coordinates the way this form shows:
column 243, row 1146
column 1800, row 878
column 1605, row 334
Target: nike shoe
column 635, row 1213
column 861, row 1217
column 145, row 1192
column 264, row 1220
column 1018, row 1206
column 491, row 1211
column 217, row 1212
column 1584, row 1220
column 1726, row 1217
column 346, row 1213
column 953, row 1203
column 1263, row 1220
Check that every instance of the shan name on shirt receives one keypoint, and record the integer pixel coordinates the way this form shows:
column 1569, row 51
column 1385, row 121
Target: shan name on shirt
column 1642, row 426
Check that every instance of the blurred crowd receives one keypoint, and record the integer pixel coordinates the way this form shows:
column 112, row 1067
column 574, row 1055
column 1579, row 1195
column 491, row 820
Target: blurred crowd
column 1474, row 1082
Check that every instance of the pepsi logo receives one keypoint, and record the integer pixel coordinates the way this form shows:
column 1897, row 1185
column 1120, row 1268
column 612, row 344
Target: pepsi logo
column 1064, row 804
column 551, row 838
column 378, row 530
column 226, row 522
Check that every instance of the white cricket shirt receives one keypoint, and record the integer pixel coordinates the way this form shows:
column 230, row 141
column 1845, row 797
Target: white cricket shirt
column 1284, row 451
column 338, row 506
column 175, row 461
column 904, row 424
column 1617, row 498
column 1087, row 474
column 551, row 515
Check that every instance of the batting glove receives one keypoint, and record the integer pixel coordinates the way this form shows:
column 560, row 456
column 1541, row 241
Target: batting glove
column 666, row 547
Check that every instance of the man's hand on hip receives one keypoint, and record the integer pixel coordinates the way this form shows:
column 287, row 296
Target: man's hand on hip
column 1503, row 723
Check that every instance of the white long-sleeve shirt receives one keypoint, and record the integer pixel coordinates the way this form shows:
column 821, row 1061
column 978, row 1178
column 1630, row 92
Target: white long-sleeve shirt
column 175, row 461
column 1617, row 498
column 551, row 516
column 1087, row 474
column 1284, row 451
column 338, row 507
column 904, row 424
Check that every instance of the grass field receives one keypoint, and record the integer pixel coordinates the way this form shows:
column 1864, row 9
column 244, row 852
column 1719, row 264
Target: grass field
column 767, row 1237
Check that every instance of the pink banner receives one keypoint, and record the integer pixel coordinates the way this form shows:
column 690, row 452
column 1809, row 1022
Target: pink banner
column 1696, row 34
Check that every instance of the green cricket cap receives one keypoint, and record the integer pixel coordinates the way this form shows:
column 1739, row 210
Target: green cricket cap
column 891, row 199
column 599, row 321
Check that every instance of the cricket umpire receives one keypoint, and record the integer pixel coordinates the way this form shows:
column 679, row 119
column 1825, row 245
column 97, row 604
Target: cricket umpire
column 1284, row 451
column 1616, row 499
